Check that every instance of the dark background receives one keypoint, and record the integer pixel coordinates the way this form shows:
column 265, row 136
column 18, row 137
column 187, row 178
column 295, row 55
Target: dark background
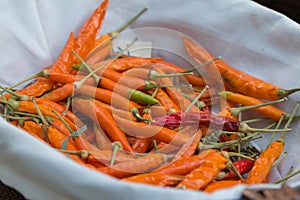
column 290, row 8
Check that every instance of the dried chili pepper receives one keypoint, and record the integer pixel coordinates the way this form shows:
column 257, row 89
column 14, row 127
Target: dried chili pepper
column 207, row 119
column 162, row 180
column 103, row 44
column 85, row 39
column 222, row 185
column 243, row 166
column 141, row 164
column 200, row 177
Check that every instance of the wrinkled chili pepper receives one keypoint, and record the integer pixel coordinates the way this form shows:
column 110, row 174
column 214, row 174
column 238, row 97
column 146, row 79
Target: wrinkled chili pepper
column 243, row 166
column 141, row 164
column 200, row 177
column 162, row 180
column 222, row 185
column 85, row 39
column 192, row 118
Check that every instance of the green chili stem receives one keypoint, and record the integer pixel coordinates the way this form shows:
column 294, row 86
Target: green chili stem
column 116, row 146
column 20, row 97
column 277, row 126
column 119, row 30
column 256, row 120
column 236, row 111
column 39, row 112
column 231, row 165
column 63, row 121
column 288, row 173
column 155, row 146
column 84, row 154
column 200, row 104
column 67, row 106
column 25, row 80
column 287, row 177
column 202, row 65
column 285, row 154
column 245, row 128
column 196, row 99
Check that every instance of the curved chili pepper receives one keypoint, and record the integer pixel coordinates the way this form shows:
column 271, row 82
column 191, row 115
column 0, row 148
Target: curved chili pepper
column 222, row 185
column 60, row 93
column 200, row 177
column 141, row 129
column 182, row 102
column 96, row 112
column 236, row 80
column 123, row 64
column 108, row 97
column 63, row 62
column 192, row 118
column 86, row 37
column 162, row 180
column 186, row 165
column 265, row 161
column 270, row 111
column 38, row 88
column 103, row 44
column 164, row 100
column 139, row 165
column 243, row 166
column 102, row 140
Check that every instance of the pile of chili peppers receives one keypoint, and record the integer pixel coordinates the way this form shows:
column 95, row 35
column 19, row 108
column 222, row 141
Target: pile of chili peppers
column 127, row 117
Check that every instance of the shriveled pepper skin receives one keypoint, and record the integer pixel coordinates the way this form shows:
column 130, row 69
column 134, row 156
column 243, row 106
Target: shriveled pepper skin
column 192, row 118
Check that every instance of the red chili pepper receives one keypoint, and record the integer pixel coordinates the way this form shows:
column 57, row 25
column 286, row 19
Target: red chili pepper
column 243, row 166
column 192, row 118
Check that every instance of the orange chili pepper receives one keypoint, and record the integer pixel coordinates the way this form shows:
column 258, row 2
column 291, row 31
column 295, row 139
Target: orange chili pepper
column 141, row 129
column 103, row 45
column 86, row 37
column 141, row 164
column 164, row 100
column 269, row 111
column 265, row 161
column 125, row 63
column 162, row 180
column 222, row 185
column 96, row 111
column 140, row 145
column 200, row 177
column 236, row 80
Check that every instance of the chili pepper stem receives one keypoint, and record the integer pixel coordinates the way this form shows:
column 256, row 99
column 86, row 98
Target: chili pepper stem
column 18, row 96
column 235, row 111
column 245, row 128
column 256, row 120
column 16, row 117
column 84, row 154
column 137, row 115
column 288, row 173
column 231, row 165
column 200, row 104
column 202, row 65
column 96, row 77
column 155, row 146
column 155, row 75
column 25, row 80
column 119, row 30
column 277, row 126
column 196, row 99
column 39, row 112
column 67, row 106
column 287, row 177
column 116, row 146
column 284, row 93
column 63, row 121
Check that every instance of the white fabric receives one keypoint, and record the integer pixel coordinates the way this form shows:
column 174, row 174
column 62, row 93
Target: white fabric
column 248, row 36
